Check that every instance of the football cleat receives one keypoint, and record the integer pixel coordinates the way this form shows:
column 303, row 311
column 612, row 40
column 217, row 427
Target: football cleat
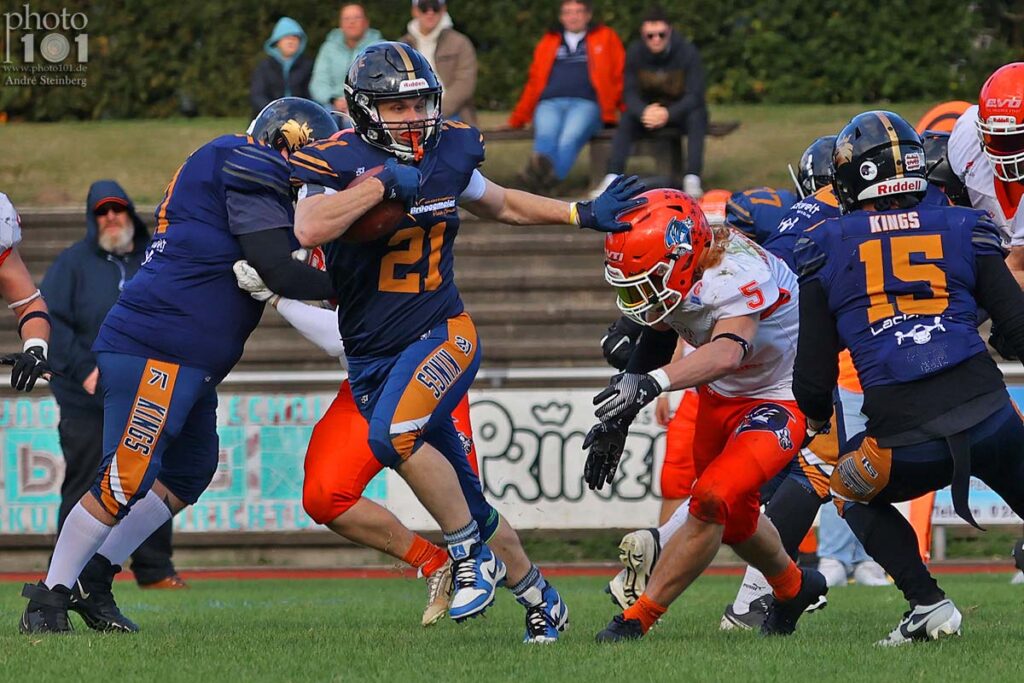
column 925, row 622
column 783, row 614
column 638, row 552
column 477, row 573
column 439, row 592
column 545, row 621
column 620, row 629
column 93, row 599
column 47, row 610
column 752, row 619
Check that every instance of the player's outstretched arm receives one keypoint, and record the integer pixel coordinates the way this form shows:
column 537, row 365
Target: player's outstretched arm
column 516, row 207
column 17, row 288
column 628, row 393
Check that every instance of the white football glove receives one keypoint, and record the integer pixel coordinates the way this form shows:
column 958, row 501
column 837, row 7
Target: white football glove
column 250, row 281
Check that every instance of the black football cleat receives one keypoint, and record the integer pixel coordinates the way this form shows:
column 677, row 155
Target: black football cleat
column 783, row 615
column 751, row 620
column 93, row 599
column 620, row 629
column 47, row 610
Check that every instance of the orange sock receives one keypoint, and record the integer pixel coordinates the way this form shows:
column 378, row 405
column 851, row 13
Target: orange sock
column 425, row 556
column 646, row 610
column 786, row 584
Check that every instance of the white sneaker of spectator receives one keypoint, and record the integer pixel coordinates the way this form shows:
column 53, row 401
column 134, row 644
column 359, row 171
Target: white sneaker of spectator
column 870, row 573
column 691, row 186
column 603, row 185
column 833, row 570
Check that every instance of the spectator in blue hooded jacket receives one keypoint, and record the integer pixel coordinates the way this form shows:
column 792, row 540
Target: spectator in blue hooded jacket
column 80, row 287
column 286, row 70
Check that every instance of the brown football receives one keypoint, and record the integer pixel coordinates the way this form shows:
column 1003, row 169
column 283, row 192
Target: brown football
column 380, row 220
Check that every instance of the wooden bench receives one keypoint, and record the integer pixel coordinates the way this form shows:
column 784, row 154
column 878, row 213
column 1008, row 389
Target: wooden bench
column 669, row 159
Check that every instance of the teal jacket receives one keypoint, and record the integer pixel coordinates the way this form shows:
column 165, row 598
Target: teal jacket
column 276, row 76
column 332, row 63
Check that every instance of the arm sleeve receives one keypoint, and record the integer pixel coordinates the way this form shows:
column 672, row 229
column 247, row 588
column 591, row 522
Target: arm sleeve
column 816, row 370
column 269, row 252
column 997, row 292
column 69, row 355
column 653, row 350
column 318, row 325
column 476, row 187
column 693, row 96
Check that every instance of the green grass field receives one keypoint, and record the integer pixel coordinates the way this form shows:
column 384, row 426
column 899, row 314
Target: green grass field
column 355, row 630
column 52, row 164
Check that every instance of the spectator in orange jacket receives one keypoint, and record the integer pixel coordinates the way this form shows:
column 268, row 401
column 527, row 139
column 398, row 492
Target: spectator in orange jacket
column 574, row 86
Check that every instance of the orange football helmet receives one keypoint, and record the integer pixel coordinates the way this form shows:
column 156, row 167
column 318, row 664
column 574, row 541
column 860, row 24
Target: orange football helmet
column 653, row 265
column 1001, row 121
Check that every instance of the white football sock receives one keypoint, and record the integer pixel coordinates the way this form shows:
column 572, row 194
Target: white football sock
column 675, row 522
column 80, row 537
column 753, row 587
column 145, row 517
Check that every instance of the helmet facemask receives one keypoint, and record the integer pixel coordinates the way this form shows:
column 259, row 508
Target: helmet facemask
column 1002, row 138
column 650, row 296
column 407, row 140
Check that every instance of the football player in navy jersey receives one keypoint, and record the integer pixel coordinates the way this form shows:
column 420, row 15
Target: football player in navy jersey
column 176, row 330
column 899, row 282
column 413, row 350
column 757, row 212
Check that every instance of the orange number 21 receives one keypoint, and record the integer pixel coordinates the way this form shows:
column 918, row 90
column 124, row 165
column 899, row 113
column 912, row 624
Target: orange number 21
column 410, row 252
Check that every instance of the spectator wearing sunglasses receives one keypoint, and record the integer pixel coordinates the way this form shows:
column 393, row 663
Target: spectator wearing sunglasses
column 663, row 88
column 450, row 53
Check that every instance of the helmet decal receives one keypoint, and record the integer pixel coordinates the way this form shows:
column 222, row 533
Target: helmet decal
column 677, row 234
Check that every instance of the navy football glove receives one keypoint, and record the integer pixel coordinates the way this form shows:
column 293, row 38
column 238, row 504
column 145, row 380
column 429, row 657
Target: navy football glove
column 401, row 182
column 626, row 396
column 29, row 365
column 602, row 214
column 604, row 444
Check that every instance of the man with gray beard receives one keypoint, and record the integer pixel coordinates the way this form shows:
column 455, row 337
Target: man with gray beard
column 80, row 287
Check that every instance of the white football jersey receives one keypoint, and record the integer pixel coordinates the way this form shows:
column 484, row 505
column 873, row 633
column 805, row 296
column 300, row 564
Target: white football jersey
column 10, row 224
column 969, row 163
column 748, row 280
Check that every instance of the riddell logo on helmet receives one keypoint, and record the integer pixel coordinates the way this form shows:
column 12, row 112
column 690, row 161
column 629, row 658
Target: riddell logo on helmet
column 900, row 186
column 415, row 84
column 1004, row 102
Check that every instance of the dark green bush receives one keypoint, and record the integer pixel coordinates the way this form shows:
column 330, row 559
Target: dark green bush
column 152, row 58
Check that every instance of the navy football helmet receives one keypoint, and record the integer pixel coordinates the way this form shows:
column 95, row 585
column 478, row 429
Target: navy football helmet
column 815, row 170
column 940, row 173
column 394, row 71
column 878, row 156
column 288, row 123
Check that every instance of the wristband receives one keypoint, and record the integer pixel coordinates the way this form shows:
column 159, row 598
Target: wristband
column 574, row 213
column 36, row 341
column 661, row 377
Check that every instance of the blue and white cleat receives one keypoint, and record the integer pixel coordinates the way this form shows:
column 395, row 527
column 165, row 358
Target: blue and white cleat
column 545, row 621
column 477, row 574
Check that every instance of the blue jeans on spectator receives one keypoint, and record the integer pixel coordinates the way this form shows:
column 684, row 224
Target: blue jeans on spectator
column 835, row 538
column 562, row 125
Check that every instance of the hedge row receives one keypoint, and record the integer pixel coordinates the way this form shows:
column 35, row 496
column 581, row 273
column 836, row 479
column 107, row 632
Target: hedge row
column 150, row 58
